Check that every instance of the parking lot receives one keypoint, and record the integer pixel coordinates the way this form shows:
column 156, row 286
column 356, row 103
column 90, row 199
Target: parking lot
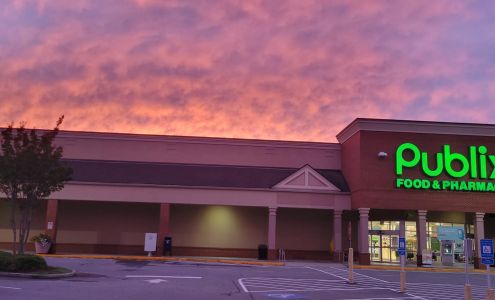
column 110, row 279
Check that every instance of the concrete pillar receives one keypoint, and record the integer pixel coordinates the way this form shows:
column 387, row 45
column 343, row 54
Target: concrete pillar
column 272, row 233
column 364, row 252
column 337, row 236
column 421, row 236
column 479, row 234
column 163, row 227
column 51, row 222
column 402, row 228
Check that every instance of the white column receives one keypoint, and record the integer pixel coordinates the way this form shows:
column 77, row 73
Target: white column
column 272, row 228
column 363, row 231
column 479, row 231
column 337, row 235
column 421, row 235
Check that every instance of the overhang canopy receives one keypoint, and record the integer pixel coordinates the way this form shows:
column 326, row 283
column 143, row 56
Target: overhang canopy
column 189, row 175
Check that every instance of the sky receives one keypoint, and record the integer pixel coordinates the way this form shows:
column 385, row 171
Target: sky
column 276, row 69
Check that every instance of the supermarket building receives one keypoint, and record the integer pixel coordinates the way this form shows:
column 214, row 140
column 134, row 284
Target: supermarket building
column 225, row 197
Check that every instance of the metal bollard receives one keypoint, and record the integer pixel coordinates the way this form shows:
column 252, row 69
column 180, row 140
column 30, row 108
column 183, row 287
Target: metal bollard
column 350, row 261
column 468, row 292
column 402, row 274
column 402, row 281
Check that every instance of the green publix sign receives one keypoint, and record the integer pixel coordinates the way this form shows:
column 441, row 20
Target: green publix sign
column 467, row 172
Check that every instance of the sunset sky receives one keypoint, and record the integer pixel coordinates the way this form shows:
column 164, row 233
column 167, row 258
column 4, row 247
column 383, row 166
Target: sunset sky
column 292, row 70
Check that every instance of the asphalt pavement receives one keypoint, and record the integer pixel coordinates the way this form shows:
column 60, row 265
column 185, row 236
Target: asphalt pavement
column 108, row 279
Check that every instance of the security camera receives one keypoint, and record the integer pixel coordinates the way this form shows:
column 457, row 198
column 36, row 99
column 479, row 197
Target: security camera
column 382, row 154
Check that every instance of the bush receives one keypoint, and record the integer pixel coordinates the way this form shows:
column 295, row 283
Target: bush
column 41, row 238
column 3, row 253
column 6, row 261
column 28, row 263
column 21, row 263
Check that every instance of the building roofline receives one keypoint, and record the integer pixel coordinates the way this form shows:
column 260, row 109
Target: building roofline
column 412, row 126
column 75, row 134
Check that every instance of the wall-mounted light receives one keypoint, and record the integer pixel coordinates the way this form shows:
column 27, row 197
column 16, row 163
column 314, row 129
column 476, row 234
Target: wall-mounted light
column 382, row 154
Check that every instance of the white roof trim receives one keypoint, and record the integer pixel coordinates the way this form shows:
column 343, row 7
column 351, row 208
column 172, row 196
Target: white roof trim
column 306, row 172
column 427, row 127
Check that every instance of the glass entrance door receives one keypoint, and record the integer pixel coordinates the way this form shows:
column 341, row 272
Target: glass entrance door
column 383, row 246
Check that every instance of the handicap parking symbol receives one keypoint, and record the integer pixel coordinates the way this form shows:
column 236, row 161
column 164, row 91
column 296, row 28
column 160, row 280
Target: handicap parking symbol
column 487, row 249
column 286, row 296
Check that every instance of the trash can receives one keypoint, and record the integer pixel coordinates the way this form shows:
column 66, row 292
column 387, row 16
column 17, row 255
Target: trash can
column 262, row 252
column 167, row 246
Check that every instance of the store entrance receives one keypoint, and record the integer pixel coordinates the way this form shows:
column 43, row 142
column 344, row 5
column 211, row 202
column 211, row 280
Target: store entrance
column 383, row 246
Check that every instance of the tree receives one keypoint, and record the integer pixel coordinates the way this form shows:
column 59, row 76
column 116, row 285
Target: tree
column 30, row 170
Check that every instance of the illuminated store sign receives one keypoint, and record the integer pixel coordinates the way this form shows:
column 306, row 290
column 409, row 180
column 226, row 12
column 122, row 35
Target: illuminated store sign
column 446, row 163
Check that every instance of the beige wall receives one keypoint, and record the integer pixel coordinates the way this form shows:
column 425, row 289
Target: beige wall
column 110, row 146
column 37, row 224
column 105, row 222
column 304, row 229
column 110, row 223
column 218, row 226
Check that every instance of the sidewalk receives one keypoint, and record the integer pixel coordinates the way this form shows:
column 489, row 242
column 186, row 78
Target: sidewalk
column 225, row 260
column 421, row 269
column 255, row 262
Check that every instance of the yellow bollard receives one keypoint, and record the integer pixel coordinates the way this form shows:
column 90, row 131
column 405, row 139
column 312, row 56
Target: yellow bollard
column 491, row 294
column 350, row 262
column 402, row 281
column 468, row 292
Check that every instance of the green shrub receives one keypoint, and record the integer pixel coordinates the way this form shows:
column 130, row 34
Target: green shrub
column 4, row 253
column 6, row 261
column 28, row 263
column 21, row 263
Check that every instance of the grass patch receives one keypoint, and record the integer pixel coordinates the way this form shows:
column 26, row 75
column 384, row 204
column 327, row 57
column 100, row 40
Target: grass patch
column 52, row 270
column 48, row 271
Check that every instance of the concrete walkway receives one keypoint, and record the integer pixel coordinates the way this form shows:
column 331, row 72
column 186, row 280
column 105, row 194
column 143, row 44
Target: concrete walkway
column 255, row 262
column 237, row 261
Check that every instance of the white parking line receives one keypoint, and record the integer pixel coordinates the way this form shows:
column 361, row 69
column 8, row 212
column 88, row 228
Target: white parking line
column 328, row 273
column 163, row 276
column 9, row 287
column 409, row 298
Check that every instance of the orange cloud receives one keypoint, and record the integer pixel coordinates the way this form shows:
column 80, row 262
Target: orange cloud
column 297, row 70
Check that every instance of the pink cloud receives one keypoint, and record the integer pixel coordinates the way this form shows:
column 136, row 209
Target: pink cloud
column 298, row 70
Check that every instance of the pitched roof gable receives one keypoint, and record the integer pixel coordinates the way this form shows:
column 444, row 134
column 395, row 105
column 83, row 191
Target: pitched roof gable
column 306, row 178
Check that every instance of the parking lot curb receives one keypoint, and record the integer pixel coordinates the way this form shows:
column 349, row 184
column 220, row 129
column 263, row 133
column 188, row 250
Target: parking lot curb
column 170, row 258
column 418, row 269
column 39, row 276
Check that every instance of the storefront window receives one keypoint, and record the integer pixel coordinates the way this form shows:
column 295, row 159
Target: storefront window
column 432, row 241
column 411, row 240
column 383, row 239
column 384, row 225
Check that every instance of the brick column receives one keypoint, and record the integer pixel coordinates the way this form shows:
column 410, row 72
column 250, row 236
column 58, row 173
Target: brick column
column 51, row 222
column 421, row 236
column 364, row 252
column 164, row 226
column 479, row 234
column 337, row 236
column 272, row 233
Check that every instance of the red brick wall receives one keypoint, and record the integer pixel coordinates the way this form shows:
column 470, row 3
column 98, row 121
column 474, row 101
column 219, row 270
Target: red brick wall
column 372, row 184
column 351, row 155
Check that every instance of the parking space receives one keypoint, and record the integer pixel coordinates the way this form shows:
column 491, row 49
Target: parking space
column 110, row 279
